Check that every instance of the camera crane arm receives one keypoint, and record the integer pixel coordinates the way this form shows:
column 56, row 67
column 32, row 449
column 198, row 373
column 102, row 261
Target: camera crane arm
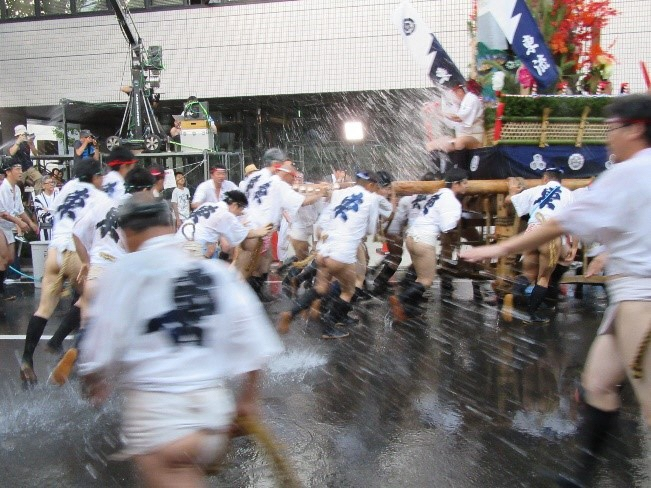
column 139, row 127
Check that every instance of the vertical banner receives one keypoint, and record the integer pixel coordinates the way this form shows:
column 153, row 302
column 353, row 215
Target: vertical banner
column 424, row 47
column 522, row 32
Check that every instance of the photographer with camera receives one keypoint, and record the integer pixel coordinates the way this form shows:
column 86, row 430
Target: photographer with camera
column 21, row 151
column 86, row 147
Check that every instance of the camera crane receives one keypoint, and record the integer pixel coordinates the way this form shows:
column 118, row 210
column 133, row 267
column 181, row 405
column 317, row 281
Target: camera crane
column 140, row 127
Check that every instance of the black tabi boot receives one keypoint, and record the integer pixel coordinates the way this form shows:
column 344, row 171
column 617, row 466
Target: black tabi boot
column 335, row 313
column 257, row 283
column 408, row 278
column 360, row 295
column 70, row 323
column 533, row 302
column 447, row 288
column 476, row 292
column 553, row 288
column 412, row 300
column 289, row 283
column 35, row 330
column 408, row 304
column 592, row 435
column 302, row 303
column 381, row 281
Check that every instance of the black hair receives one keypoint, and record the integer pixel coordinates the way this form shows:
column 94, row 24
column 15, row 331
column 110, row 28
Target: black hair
column 176, row 173
column 217, row 166
column 632, row 109
column 366, row 176
column 138, row 179
column 430, row 176
column 157, row 169
column 384, row 178
column 9, row 163
column 119, row 153
column 86, row 169
column 455, row 175
column 554, row 174
column 236, row 196
column 142, row 211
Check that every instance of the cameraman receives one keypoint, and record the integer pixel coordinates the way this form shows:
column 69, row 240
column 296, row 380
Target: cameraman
column 21, row 151
column 86, row 147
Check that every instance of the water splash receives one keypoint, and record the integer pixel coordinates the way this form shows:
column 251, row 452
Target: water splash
column 296, row 361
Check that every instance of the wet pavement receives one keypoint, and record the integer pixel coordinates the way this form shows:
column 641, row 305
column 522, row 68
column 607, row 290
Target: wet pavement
column 459, row 399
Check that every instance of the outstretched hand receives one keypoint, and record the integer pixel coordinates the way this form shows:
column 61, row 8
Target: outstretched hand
column 481, row 253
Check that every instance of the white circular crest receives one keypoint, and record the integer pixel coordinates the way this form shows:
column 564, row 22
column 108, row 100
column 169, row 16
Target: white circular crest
column 538, row 163
column 408, row 26
column 576, row 161
column 474, row 163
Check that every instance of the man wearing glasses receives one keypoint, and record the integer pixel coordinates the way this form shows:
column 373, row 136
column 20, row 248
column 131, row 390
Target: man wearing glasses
column 617, row 213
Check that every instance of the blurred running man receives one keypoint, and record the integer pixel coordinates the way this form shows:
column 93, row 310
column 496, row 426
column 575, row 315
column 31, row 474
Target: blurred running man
column 171, row 335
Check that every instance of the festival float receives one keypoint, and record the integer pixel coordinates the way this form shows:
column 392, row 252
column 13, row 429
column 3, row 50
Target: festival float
column 545, row 81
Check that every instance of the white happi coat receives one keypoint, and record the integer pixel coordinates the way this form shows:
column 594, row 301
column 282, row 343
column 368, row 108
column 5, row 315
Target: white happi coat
column 352, row 215
column 211, row 221
column 532, row 201
column 167, row 322
column 72, row 203
column 409, row 208
column 206, row 192
column 113, row 185
column 616, row 212
column 98, row 231
column 440, row 213
column 269, row 197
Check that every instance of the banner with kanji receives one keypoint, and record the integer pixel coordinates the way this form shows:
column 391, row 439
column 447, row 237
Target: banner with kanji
column 426, row 50
column 521, row 31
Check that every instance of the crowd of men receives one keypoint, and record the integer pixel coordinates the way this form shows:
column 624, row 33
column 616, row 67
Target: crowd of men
column 161, row 287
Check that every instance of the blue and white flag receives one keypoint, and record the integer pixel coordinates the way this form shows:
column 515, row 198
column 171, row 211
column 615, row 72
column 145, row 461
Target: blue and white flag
column 424, row 47
column 522, row 32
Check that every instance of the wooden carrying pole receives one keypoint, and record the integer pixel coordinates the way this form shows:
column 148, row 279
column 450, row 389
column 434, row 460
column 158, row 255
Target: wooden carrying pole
column 476, row 187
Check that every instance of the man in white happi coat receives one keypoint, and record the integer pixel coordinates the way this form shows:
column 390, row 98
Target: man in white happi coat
column 214, row 189
column 616, row 212
column 98, row 245
column 440, row 213
column 120, row 161
column 351, row 215
column 541, row 203
column 171, row 336
column 62, row 262
column 407, row 210
column 96, row 235
column 218, row 224
column 270, row 195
